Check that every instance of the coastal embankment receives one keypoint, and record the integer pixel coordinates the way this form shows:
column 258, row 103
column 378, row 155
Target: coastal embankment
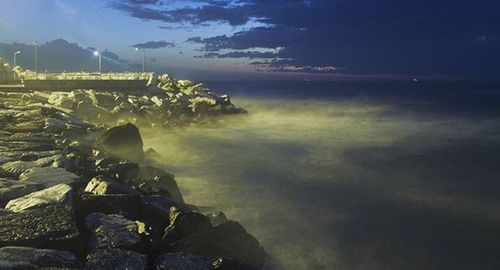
column 78, row 191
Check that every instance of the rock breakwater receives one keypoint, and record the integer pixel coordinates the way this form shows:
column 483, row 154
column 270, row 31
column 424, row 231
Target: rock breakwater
column 76, row 194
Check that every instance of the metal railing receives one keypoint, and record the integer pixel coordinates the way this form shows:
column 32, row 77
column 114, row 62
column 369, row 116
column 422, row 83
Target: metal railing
column 68, row 76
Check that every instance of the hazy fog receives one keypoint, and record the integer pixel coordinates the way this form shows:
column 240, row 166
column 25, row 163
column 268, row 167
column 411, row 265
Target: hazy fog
column 350, row 184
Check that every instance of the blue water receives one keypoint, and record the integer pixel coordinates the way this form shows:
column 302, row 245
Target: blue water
column 352, row 175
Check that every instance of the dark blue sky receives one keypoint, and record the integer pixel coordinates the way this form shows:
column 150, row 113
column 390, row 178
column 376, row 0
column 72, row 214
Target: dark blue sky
column 350, row 38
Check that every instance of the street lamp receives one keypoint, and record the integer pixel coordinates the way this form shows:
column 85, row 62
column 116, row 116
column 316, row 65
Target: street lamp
column 15, row 54
column 96, row 53
column 35, row 56
column 143, row 58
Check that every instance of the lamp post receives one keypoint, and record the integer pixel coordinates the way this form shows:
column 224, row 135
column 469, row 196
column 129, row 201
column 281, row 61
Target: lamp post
column 96, row 53
column 15, row 54
column 143, row 58
column 35, row 56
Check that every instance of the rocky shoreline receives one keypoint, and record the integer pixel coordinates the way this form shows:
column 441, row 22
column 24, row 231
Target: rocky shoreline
column 78, row 191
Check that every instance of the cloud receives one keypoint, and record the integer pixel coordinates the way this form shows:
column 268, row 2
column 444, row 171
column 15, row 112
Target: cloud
column 154, row 45
column 61, row 55
column 237, row 54
column 362, row 37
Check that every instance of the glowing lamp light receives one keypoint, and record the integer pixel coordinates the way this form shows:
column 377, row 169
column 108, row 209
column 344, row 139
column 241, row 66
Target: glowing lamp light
column 96, row 53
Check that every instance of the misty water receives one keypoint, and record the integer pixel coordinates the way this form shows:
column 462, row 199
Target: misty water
column 349, row 177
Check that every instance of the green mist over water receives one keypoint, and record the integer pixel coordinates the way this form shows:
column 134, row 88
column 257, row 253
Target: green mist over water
column 352, row 184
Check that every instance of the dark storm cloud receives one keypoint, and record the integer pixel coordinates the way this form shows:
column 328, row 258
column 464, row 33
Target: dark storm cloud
column 405, row 37
column 154, row 45
column 249, row 54
column 219, row 11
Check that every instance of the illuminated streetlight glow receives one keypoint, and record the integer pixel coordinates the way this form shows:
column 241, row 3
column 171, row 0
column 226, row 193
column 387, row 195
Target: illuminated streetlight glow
column 96, row 53
column 16, row 53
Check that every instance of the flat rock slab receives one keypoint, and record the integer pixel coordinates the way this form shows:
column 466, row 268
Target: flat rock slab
column 48, row 176
column 50, row 226
column 101, row 185
column 113, row 231
column 11, row 189
column 58, row 194
column 46, row 258
column 180, row 261
column 117, row 259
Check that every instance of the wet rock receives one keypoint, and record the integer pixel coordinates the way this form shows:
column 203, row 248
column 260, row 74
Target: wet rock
column 153, row 210
column 101, row 185
column 48, row 176
column 128, row 205
column 58, row 194
column 154, row 181
column 45, row 258
column 113, row 231
column 11, row 189
column 156, row 211
column 180, row 261
column 116, row 259
column 50, row 226
column 216, row 218
column 123, row 141
column 183, row 224
column 228, row 240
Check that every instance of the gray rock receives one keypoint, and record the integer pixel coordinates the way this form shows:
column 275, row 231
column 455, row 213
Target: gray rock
column 180, row 261
column 17, row 265
column 46, row 258
column 54, row 125
column 16, row 168
column 58, row 194
column 155, row 181
column 48, row 176
column 113, row 231
column 101, row 185
column 52, row 161
column 116, row 259
column 183, row 224
column 51, row 226
column 216, row 218
column 11, row 189
column 122, row 141
column 228, row 240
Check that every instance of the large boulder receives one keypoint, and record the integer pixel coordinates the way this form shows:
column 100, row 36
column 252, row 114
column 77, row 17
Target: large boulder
column 122, row 141
column 50, row 226
column 48, row 176
column 183, row 224
column 58, row 194
column 228, row 240
column 180, row 261
column 113, row 231
column 116, row 259
column 44, row 258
